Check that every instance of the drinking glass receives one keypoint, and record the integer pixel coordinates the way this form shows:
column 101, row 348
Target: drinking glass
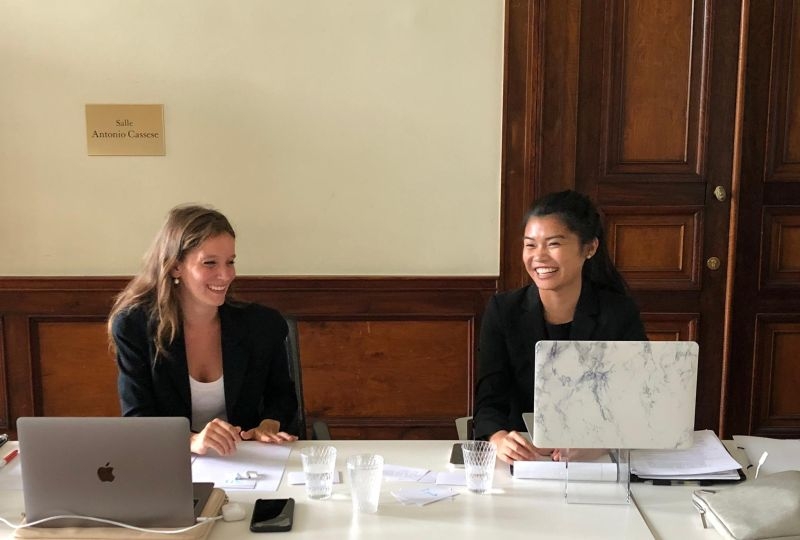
column 365, row 473
column 479, row 459
column 319, row 464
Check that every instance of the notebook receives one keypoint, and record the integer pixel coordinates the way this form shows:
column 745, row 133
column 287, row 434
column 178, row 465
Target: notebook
column 132, row 470
column 614, row 394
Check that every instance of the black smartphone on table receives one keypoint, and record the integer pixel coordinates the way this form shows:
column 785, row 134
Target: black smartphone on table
column 3, row 439
column 272, row 515
column 457, row 456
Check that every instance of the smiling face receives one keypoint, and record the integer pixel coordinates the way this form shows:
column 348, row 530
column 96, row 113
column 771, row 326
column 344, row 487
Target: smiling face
column 206, row 272
column 553, row 255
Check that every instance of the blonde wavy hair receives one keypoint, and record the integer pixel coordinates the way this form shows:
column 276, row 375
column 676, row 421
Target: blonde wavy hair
column 186, row 227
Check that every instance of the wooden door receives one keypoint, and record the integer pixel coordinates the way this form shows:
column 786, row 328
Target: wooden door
column 656, row 108
column 633, row 102
column 764, row 374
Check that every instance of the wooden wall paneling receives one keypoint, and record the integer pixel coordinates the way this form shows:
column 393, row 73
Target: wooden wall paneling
column 58, row 296
column 783, row 144
column 761, row 57
column 654, row 119
column 540, row 120
column 646, row 78
column 74, row 355
column 56, row 361
column 22, row 299
column 522, row 106
column 776, row 407
column 3, row 379
column 780, row 257
column 656, row 247
column 19, row 389
column 557, row 86
column 359, row 374
column 540, row 116
column 671, row 326
column 372, row 302
column 763, row 373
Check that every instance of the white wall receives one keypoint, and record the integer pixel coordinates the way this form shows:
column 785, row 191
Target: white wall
column 357, row 137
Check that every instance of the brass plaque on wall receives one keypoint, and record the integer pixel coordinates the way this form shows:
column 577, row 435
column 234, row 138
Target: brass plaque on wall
column 125, row 130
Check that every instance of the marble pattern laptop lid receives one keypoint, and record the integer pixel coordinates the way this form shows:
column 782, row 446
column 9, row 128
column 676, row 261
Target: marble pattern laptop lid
column 614, row 394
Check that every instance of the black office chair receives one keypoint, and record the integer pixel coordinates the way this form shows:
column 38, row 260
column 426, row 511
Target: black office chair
column 319, row 429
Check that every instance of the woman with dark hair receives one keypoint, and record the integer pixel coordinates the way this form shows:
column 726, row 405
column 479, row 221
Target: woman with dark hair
column 577, row 294
column 185, row 348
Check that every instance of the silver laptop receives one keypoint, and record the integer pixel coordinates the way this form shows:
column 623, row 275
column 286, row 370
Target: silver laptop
column 132, row 470
column 614, row 394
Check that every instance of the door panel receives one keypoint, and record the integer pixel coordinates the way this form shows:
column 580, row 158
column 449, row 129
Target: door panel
column 780, row 257
column 764, row 369
column 653, row 118
column 656, row 247
column 671, row 326
column 656, row 132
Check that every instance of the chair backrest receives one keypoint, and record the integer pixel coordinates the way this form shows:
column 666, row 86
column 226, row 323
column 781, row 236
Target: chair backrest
column 464, row 428
column 319, row 428
column 293, row 355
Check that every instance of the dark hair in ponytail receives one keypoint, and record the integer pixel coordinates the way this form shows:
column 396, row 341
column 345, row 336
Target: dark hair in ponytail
column 581, row 216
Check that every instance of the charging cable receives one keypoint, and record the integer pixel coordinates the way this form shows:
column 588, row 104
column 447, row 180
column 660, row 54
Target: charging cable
column 200, row 521
column 761, row 461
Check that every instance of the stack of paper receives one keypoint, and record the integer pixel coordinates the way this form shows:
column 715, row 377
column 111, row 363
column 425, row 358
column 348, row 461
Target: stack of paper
column 707, row 459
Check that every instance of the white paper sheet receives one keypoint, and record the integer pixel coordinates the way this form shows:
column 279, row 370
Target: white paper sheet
column 11, row 475
column 267, row 460
column 298, row 478
column 784, row 454
column 429, row 478
column 554, row 470
column 707, row 455
column 452, row 478
column 237, row 483
column 423, row 496
column 398, row 473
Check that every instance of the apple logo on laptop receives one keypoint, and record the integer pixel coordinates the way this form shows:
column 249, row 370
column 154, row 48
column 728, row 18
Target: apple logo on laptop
column 106, row 473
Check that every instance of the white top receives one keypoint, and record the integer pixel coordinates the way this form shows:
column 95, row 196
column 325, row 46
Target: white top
column 208, row 402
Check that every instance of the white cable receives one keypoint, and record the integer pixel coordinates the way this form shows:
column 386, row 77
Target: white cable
column 200, row 521
column 761, row 461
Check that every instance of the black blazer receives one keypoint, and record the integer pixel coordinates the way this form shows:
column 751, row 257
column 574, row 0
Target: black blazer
column 512, row 325
column 254, row 364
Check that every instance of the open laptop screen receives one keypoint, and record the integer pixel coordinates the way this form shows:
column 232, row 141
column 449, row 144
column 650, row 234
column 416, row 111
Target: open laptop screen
column 132, row 470
column 614, row 394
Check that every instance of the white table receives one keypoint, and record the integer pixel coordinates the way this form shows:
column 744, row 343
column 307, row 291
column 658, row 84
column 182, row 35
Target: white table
column 514, row 509
column 669, row 511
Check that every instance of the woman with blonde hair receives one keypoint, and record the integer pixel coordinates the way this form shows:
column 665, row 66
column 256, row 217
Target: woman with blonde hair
column 185, row 348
